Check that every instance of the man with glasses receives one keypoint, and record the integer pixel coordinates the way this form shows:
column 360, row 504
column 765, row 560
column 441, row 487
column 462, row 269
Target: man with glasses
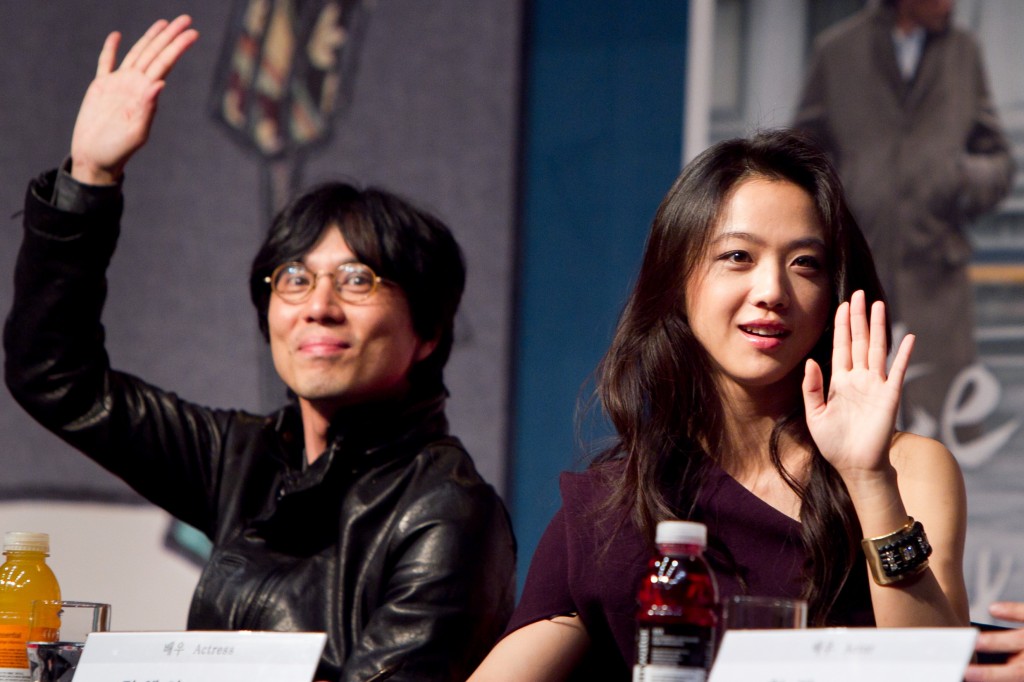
column 350, row 511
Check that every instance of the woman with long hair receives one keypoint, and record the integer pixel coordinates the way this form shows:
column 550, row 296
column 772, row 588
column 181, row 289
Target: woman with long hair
column 748, row 386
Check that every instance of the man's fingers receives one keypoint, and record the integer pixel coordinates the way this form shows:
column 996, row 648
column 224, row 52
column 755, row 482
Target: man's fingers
column 168, row 57
column 108, row 55
column 1008, row 610
column 155, row 53
column 149, row 61
column 131, row 59
column 991, row 673
column 1005, row 641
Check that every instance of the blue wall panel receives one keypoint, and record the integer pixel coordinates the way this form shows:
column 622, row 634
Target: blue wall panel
column 603, row 120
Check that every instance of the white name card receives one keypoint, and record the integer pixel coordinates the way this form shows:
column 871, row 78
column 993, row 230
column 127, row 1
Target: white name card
column 844, row 655
column 198, row 656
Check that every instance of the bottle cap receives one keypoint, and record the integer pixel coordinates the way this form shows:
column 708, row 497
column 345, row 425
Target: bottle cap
column 681, row 533
column 19, row 541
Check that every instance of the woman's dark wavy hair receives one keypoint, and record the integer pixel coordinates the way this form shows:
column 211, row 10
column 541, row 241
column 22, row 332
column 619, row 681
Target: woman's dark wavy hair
column 655, row 383
column 401, row 242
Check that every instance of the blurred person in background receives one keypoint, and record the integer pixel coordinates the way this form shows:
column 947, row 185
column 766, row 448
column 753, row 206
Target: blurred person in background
column 899, row 99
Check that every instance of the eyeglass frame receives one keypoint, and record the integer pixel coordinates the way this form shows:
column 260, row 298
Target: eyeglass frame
column 377, row 282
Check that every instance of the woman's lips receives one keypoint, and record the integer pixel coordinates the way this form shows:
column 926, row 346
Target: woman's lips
column 764, row 336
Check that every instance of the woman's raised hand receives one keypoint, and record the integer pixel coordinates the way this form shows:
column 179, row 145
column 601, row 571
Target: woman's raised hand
column 117, row 111
column 853, row 426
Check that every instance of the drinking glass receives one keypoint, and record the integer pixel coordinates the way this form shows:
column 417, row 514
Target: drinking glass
column 744, row 612
column 57, row 634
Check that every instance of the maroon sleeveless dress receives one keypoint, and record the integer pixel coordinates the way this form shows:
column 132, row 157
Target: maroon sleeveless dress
column 578, row 569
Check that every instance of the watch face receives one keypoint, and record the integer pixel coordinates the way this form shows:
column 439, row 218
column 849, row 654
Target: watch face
column 899, row 555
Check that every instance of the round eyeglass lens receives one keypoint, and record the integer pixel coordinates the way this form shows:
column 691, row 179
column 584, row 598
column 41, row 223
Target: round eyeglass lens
column 355, row 279
column 292, row 279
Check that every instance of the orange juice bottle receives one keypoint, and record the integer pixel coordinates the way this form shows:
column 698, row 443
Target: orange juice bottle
column 24, row 578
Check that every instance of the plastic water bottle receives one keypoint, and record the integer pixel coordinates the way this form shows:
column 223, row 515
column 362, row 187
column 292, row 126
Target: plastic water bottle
column 24, row 578
column 677, row 615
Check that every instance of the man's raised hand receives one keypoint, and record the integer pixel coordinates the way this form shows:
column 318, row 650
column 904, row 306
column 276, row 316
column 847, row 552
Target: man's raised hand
column 118, row 108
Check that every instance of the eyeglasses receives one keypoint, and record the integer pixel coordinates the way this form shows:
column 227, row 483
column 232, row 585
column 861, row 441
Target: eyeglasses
column 294, row 282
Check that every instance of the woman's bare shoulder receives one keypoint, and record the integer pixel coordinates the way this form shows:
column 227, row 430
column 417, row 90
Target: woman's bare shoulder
column 910, row 453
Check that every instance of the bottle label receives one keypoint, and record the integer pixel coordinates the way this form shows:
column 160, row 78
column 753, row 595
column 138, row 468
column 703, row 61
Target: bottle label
column 667, row 673
column 673, row 653
column 13, row 656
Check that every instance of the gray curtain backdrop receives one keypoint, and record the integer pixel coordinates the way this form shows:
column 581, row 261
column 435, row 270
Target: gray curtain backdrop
column 433, row 116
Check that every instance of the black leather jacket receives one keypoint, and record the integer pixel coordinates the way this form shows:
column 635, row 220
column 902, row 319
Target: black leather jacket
column 390, row 542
